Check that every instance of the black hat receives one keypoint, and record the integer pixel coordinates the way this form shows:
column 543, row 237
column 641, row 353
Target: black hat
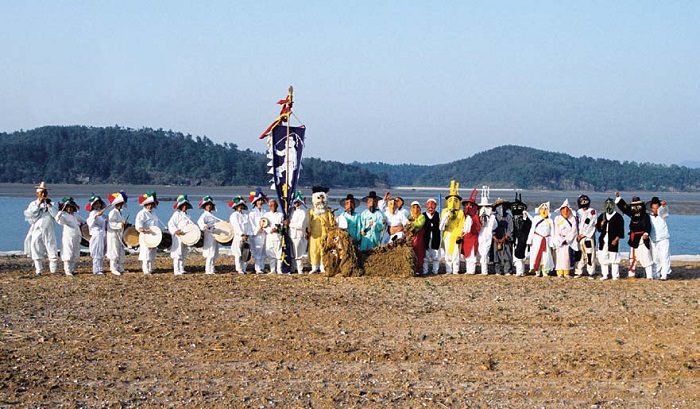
column 349, row 197
column 372, row 195
column 636, row 200
column 316, row 189
column 655, row 200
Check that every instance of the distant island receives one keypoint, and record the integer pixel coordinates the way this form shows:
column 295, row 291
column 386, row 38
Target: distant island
column 118, row 155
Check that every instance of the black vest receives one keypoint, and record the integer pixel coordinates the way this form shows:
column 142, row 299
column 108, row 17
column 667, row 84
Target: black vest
column 432, row 234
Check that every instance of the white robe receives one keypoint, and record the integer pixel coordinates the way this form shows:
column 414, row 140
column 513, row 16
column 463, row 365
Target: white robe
column 70, row 240
column 115, row 232
column 41, row 237
column 98, row 234
column 210, row 247
column 541, row 236
column 298, row 224
column 179, row 219
column 565, row 231
column 241, row 226
column 145, row 219
column 273, row 240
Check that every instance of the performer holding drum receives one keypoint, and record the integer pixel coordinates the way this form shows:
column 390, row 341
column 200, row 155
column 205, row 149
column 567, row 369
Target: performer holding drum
column 240, row 248
column 115, row 232
column 177, row 224
column 147, row 223
column 206, row 222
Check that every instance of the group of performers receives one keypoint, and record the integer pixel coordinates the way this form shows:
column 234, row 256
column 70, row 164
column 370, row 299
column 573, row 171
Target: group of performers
column 502, row 234
column 505, row 235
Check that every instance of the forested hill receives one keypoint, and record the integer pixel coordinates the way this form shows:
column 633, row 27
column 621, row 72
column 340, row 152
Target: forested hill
column 527, row 168
column 81, row 154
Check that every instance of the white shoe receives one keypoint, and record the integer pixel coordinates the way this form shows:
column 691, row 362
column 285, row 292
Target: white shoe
column 69, row 274
column 116, row 273
column 603, row 278
column 209, row 273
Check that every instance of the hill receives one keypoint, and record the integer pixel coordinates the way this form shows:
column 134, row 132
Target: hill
column 81, row 154
column 520, row 167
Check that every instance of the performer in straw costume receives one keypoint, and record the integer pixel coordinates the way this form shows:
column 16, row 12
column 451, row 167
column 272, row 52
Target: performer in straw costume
column 40, row 242
column 242, row 231
column 179, row 219
column 69, row 218
column 298, row 226
column 206, row 222
column 97, row 222
column 145, row 219
column 321, row 218
column 115, row 232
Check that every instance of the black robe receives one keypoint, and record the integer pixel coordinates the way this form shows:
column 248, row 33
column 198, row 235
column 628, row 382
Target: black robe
column 615, row 227
column 521, row 229
column 638, row 225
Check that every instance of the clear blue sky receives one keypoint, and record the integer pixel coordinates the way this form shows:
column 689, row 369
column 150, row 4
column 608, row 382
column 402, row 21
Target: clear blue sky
column 412, row 81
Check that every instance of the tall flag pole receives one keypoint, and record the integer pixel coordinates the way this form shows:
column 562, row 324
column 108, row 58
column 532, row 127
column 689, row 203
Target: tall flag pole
column 285, row 145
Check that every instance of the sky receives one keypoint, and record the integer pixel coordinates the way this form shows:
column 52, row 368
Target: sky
column 400, row 82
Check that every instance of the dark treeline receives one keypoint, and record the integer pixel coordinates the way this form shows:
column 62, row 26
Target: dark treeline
column 527, row 168
column 81, row 154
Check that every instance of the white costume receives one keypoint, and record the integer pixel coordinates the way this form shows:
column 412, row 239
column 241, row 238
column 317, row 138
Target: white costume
column 539, row 240
column 70, row 241
column 241, row 226
column 98, row 239
column 586, row 219
column 273, row 240
column 145, row 219
column 298, row 224
column 257, row 239
column 178, row 250
column 115, row 248
column 565, row 243
column 488, row 226
column 210, row 247
column 398, row 218
column 41, row 238
column 660, row 243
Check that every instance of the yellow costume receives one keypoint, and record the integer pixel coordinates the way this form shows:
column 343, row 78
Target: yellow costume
column 321, row 218
column 451, row 223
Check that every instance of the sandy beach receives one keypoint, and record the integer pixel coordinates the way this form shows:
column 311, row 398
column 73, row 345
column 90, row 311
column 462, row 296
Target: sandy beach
column 261, row 341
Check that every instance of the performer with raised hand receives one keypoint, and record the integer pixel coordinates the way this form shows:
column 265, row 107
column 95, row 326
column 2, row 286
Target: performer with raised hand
column 639, row 233
column 40, row 241
column 97, row 222
column 69, row 218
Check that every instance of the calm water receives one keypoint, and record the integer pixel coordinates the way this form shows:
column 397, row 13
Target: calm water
column 683, row 227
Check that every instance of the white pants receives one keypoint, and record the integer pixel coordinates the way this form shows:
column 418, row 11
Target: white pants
column 147, row 266
column 662, row 258
column 116, row 265
column 609, row 259
column 586, row 254
column 39, row 267
column 471, row 262
column 69, row 267
column 432, row 256
column 209, row 264
column 240, row 265
column 452, row 260
column 178, row 266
